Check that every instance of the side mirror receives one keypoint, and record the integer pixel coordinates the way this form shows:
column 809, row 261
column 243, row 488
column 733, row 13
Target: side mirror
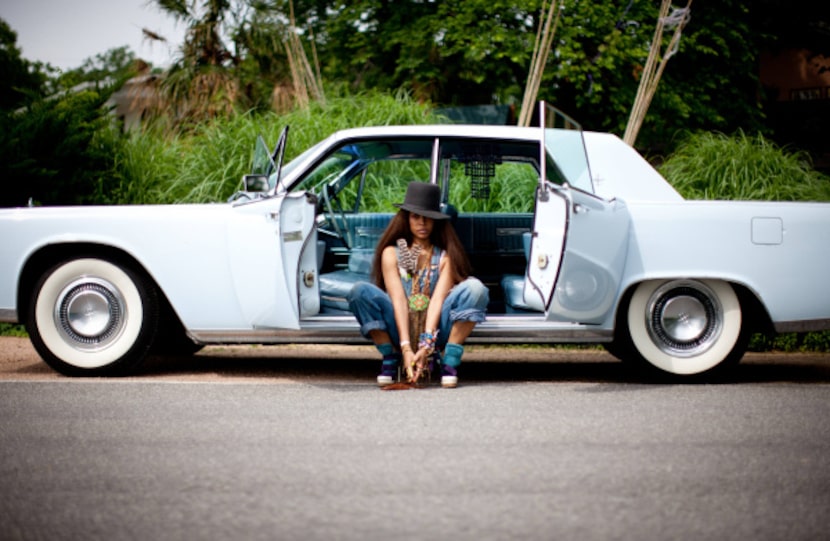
column 255, row 183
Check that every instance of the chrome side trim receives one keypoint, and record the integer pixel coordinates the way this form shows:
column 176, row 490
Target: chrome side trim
column 806, row 325
column 8, row 316
column 345, row 330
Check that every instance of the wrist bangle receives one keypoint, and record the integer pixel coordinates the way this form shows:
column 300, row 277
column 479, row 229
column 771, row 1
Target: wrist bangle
column 427, row 341
column 404, row 343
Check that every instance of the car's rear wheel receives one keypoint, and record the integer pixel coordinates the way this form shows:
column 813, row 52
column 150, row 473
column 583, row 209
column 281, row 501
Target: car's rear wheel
column 685, row 327
column 92, row 317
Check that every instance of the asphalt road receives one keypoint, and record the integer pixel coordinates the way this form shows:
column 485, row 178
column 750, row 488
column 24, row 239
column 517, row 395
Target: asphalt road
column 269, row 445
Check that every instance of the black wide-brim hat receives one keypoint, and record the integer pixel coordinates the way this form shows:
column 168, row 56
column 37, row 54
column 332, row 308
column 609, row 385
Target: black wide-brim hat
column 424, row 200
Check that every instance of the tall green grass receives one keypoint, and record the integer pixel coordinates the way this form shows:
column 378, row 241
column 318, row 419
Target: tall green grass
column 511, row 190
column 742, row 167
column 207, row 163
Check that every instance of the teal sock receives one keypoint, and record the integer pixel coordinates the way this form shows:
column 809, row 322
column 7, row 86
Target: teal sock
column 391, row 359
column 452, row 355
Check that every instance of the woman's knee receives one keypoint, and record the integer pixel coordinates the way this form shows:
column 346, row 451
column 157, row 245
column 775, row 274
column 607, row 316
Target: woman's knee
column 466, row 302
column 476, row 292
column 360, row 291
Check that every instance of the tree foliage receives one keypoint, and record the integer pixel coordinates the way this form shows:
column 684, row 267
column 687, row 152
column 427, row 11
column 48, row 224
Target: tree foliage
column 22, row 80
column 201, row 83
column 472, row 52
column 58, row 151
column 259, row 34
column 110, row 68
column 452, row 53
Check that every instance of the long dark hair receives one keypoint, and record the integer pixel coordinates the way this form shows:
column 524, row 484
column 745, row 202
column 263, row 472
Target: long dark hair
column 443, row 236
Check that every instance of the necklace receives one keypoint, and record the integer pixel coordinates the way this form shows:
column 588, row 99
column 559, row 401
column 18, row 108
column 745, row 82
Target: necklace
column 418, row 267
column 419, row 298
column 415, row 263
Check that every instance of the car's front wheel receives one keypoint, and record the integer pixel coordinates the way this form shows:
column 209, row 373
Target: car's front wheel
column 92, row 317
column 685, row 327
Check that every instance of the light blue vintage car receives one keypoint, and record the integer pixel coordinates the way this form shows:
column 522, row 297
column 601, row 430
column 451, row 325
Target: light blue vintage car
column 596, row 248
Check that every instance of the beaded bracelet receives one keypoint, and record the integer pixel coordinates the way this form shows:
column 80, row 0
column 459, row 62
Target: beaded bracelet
column 427, row 341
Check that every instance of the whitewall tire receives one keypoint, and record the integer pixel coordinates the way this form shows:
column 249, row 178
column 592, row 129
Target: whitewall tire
column 91, row 316
column 685, row 327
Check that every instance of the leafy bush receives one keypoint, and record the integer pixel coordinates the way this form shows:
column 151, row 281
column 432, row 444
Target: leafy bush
column 7, row 329
column 791, row 342
column 742, row 167
column 57, row 151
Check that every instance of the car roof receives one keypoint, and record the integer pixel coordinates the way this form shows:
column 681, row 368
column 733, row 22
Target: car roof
column 440, row 130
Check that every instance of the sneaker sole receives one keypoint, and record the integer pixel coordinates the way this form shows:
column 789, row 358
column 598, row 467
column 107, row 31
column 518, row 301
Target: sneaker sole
column 383, row 381
column 449, row 382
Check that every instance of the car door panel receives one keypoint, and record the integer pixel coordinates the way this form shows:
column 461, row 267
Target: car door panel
column 550, row 224
column 593, row 261
column 577, row 255
column 298, row 242
column 273, row 257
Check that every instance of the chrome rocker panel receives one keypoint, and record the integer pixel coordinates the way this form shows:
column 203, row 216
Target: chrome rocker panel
column 345, row 330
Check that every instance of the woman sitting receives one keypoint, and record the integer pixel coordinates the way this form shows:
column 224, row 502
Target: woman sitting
column 423, row 297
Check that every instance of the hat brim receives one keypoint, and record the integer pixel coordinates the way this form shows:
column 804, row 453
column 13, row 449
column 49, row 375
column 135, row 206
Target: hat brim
column 435, row 215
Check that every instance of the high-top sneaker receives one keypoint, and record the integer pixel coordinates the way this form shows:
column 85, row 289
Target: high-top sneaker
column 449, row 377
column 389, row 368
column 449, row 368
column 388, row 372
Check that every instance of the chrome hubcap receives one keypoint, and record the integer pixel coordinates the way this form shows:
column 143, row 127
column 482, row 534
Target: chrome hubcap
column 684, row 318
column 89, row 312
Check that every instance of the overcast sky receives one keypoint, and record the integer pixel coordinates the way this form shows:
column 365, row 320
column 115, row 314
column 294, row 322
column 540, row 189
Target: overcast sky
column 66, row 32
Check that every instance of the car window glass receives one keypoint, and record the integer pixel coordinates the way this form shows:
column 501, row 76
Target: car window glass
column 568, row 149
column 368, row 176
column 509, row 189
column 491, row 177
column 383, row 182
column 288, row 168
column 329, row 170
column 484, row 176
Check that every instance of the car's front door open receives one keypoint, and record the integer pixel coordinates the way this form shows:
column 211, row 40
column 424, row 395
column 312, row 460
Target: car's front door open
column 298, row 244
column 274, row 264
column 272, row 256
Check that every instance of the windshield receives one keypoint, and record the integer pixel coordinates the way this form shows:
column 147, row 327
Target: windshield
column 386, row 164
column 289, row 168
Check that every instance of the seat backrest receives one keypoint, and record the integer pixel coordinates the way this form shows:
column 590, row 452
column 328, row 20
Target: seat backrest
column 366, row 229
column 499, row 233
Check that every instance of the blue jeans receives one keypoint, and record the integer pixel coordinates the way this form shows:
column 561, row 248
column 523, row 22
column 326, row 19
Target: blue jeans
column 372, row 307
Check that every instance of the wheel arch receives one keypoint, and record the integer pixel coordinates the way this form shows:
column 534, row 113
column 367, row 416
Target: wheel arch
column 753, row 310
column 52, row 254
